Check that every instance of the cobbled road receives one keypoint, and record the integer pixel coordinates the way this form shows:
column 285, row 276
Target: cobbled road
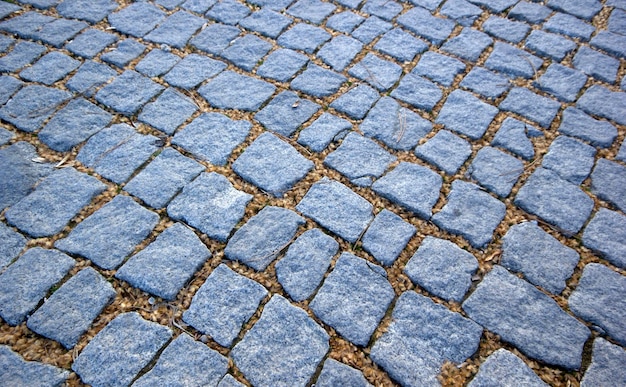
column 307, row 192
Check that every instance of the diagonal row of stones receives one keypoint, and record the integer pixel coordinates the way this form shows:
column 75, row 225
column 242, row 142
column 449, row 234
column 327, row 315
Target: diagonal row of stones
column 531, row 76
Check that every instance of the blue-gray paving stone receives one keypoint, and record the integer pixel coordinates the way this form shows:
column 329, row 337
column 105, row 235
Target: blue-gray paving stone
column 424, row 24
column 6, row 136
column 394, row 125
column 7, row 8
column 411, row 186
column 137, row 19
column 335, row 373
column 186, row 361
column 259, row 242
column 562, row 82
column 228, row 12
column 215, row 38
column 486, row 83
column 605, row 103
column 466, row 114
column 223, row 304
column 606, row 233
column 470, row 213
column 387, row 236
column 272, row 164
column 577, row 124
column 585, row 9
column 544, row 332
column 562, row 23
column 302, row 269
column 345, row 21
column 570, row 159
column 506, row 29
column 212, row 137
column 27, row 24
column 274, row 5
column 468, row 45
column 117, row 151
column 525, row 65
column 378, row 72
column 442, row 268
column 596, row 64
column 8, row 86
column 549, row 45
column 401, row 45
column 5, row 42
column 27, row 281
column 422, row 336
column 20, row 174
column 116, row 355
column 446, row 151
column 50, row 68
column 18, row 372
column 303, row 37
column 192, row 70
column 356, row 102
column 211, row 204
column 339, row 52
column 166, row 264
column 90, row 43
column 607, row 182
column 73, row 124
column 230, row 381
column 314, row 11
column 504, row 368
column 89, row 77
column 599, row 298
column 621, row 154
column 418, row 91
column 32, row 105
column 168, row 111
column 606, row 365
column 617, row 21
column 318, row 81
column 69, row 312
column 337, row 208
column 176, row 30
column 495, row 5
column 247, row 51
column 543, row 260
column 370, row 29
column 126, row 51
column 11, row 245
column 157, row 62
column 460, row 10
column 530, row 11
column 57, row 199
column 535, row 107
column 128, row 92
column 384, row 9
column 266, row 22
column 359, row 159
column 350, row 3
column 610, row 42
column 163, row 178
column 555, row 200
column 286, row 112
column 284, row 348
column 198, row 6
column 230, row 90
column 324, row 130
column 355, row 319
column 41, row 4
column 110, row 234
column 23, row 53
column 92, row 11
column 439, row 68
column 59, row 31
column 282, row 64
column 495, row 170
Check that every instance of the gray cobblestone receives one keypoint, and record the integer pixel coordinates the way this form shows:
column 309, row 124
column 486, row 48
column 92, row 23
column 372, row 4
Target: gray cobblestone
column 605, row 234
column 230, row 90
column 193, row 70
column 89, row 77
column 335, row 373
column 466, row 114
column 495, row 170
column 535, row 107
column 607, row 182
column 126, row 51
column 571, row 159
column 286, row 112
column 12, row 244
column 503, row 367
column 514, row 136
column 605, row 365
column 157, row 62
column 446, row 151
column 324, row 130
column 32, row 105
column 577, row 124
column 387, row 236
column 18, row 372
column 168, row 111
column 137, row 19
column 266, row 22
column 128, row 92
column 246, row 52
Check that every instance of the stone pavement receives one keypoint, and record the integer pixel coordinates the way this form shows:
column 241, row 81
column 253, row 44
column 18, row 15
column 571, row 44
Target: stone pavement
column 312, row 192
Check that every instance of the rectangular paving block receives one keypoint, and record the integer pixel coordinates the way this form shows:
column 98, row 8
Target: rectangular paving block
column 89, row 77
column 314, row 11
column 607, row 182
column 69, row 312
column 514, row 136
column 50, row 68
column 19, row 372
column 506, row 29
column 157, row 62
column 468, row 45
column 215, row 38
column 596, row 64
column 12, row 243
column 137, row 19
column 439, row 68
column 503, row 367
column 379, row 73
column 324, row 130
column 418, row 91
column 318, row 81
column 600, row 101
column 170, row 110
column 465, row 114
column 577, row 124
column 445, row 151
column 335, row 373
column 8, row 86
column 176, row 30
column 23, row 53
column 266, row 22
column 357, row 101
column 570, row 158
column 424, row 24
column 401, row 45
column 537, row 108
column 282, row 64
column 303, row 37
column 286, row 112
column 387, row 236
column 32, row 105
column 247, row 51
column 230, row 90
column 562, row 82
column 495, row 170
column 92, row 11
column 125, row 52
column 128, row 92
column 606, row 365
column 339, row 52
column 513, row 62
column 605, row 235
column 550, row 45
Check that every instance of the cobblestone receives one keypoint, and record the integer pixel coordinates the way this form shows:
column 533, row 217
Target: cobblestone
column 604, row 234
column 605, row 364
column 18, row 371
column 169, row 111
column 193, row 70
column 445, row 150
column 286, row 112
column 606, row 182
column 387, row 236
column 503, row 367
column 495, row 170
column 126, row 51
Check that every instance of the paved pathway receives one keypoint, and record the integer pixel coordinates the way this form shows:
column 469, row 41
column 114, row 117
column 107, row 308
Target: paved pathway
column 298, row 192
